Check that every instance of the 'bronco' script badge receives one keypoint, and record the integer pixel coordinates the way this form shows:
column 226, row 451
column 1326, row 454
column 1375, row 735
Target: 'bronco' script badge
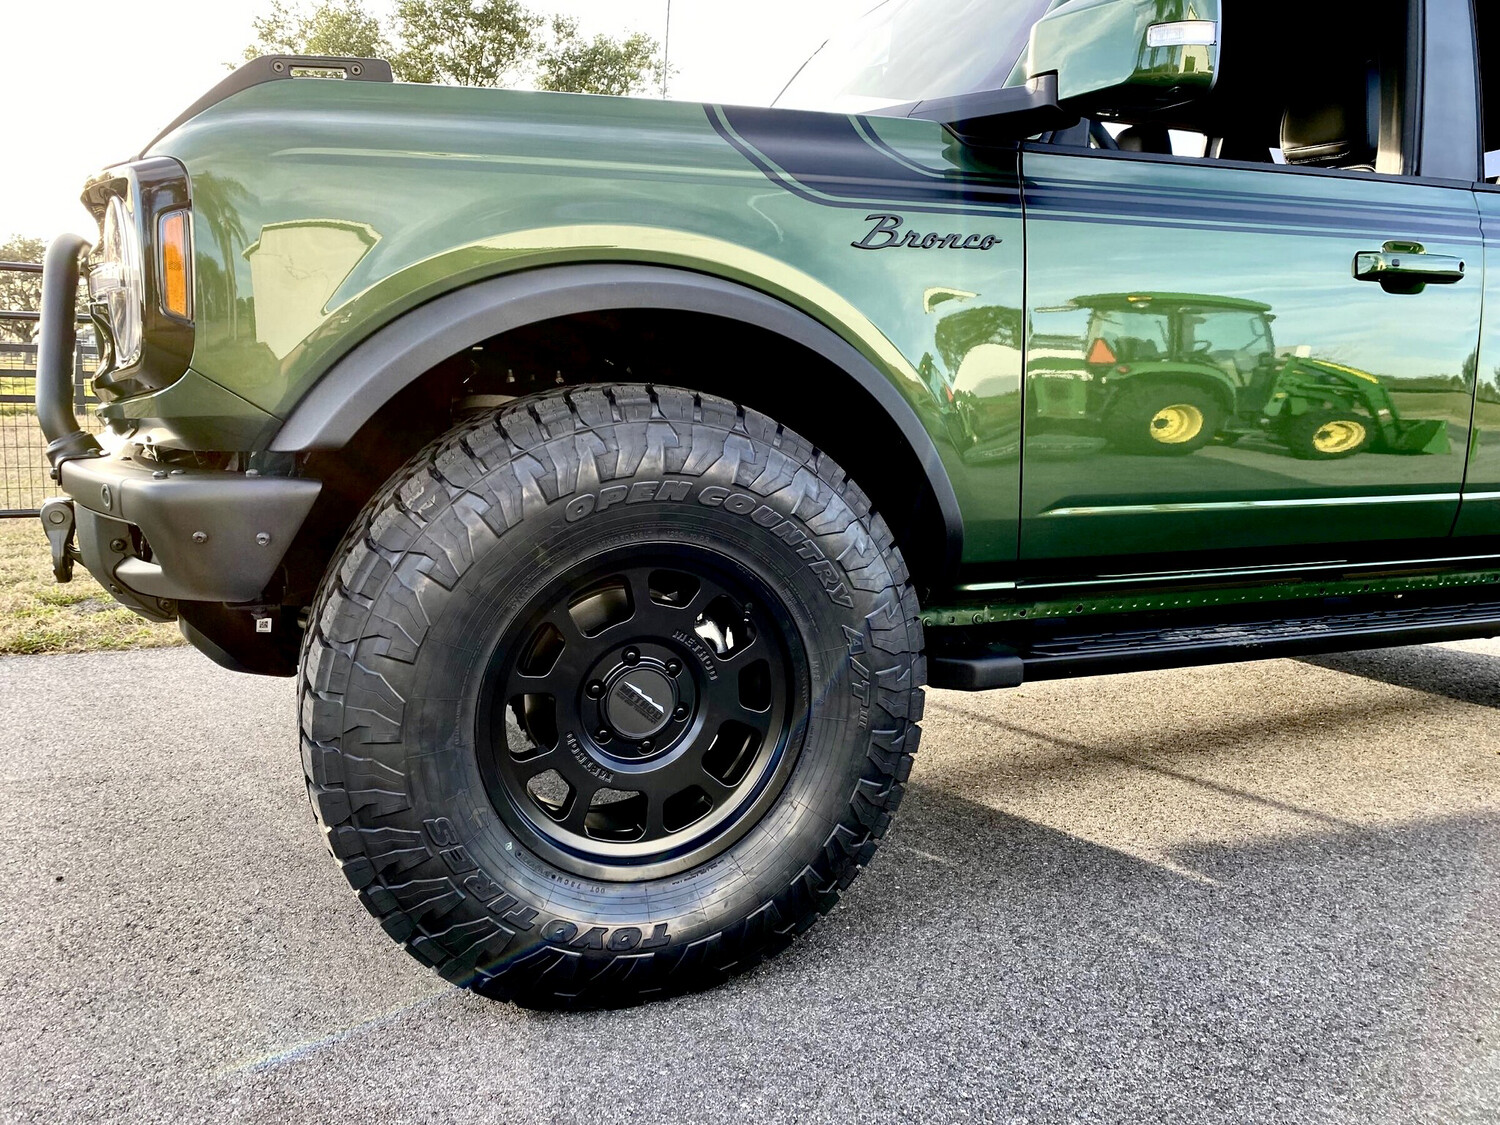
column 887, row 234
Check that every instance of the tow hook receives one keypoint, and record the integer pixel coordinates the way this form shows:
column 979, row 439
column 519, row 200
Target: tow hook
column 59, row 522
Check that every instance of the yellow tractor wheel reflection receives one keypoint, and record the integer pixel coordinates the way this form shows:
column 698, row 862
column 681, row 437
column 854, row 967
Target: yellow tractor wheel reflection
column 1325, row 435
column 1161, row 419
column 1175, row 424
column 1339, row 436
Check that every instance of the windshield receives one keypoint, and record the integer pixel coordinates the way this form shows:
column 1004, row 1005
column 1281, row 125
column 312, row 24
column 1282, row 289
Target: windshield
column 908, row 50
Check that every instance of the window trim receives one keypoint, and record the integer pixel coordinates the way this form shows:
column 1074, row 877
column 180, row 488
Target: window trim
column 1449, row 138
column 1042, row 147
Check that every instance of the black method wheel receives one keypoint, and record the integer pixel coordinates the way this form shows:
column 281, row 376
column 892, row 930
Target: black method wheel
column 638, row 719
column 609, row 694
column 1163, row 419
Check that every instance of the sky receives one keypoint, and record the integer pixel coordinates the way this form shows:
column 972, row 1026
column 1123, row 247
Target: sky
column 96, row 79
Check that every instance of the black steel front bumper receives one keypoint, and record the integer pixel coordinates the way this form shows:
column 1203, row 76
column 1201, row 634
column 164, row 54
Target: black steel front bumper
column 152, row 534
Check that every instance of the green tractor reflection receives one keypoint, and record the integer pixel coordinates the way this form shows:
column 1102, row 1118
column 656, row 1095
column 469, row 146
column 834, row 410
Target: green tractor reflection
column 1168, row 373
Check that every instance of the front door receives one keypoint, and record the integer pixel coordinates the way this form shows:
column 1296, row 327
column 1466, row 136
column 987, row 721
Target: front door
column 1247, row 360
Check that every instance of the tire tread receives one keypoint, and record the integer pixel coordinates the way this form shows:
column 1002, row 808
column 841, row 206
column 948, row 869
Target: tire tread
column 414, row 540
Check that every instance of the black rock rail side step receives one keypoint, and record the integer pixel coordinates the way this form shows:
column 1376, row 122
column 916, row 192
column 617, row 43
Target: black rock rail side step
column 1047, row 650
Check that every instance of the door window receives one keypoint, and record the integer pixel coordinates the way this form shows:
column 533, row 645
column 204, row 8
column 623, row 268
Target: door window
column 1333, row 99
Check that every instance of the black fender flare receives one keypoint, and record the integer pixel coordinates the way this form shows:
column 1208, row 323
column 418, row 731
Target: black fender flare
column 357, row 385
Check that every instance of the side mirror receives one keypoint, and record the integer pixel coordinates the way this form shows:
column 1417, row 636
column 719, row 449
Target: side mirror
column 1116, row 57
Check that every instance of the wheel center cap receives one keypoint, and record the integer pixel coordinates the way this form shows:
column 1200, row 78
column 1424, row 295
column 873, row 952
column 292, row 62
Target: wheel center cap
column 640, row 703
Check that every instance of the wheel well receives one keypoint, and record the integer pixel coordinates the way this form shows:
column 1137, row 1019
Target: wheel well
column 733, row 359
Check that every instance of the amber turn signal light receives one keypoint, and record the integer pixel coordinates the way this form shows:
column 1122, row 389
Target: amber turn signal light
column 176, row 264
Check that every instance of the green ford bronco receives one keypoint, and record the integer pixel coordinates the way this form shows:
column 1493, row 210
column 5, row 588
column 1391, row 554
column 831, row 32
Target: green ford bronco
column 613, row 473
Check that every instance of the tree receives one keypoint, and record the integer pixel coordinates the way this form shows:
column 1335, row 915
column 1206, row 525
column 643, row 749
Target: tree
column 20, row 292
column 600, row 65
column 333, row 27
column 464, row 43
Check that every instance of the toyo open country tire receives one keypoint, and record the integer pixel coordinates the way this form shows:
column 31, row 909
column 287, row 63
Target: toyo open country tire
column 617, row 552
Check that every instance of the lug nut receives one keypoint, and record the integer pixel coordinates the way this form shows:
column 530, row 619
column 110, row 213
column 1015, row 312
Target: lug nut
column 681, row 712
column 601, row 735
column 632, row 656
column 595, row 690
column 673, row 667
column 647, row 746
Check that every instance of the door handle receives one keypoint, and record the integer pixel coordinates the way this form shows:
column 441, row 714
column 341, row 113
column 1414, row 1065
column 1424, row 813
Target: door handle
column 1406, row 267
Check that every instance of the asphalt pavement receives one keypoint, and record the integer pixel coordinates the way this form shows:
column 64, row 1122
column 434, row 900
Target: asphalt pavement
column 1262, row 892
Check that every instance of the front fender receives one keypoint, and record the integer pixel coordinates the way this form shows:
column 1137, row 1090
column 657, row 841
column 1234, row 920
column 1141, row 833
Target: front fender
column 354, row 389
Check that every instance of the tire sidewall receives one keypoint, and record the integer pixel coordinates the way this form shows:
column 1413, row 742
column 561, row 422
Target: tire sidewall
column 533, row 903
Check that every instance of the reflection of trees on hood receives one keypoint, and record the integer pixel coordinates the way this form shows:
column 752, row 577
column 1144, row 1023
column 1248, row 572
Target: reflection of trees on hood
column 221, row 202
column 960, row 333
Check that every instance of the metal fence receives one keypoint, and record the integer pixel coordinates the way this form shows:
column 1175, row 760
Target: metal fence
column 24, row 477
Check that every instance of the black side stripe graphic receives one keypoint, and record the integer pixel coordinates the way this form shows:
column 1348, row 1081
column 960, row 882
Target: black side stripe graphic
column 840, row 161
column 826, row 158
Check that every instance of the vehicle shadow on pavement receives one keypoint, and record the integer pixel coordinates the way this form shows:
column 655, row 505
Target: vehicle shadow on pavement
column 1470, row 677
column 988, row 962
column 1340, row 971
column 1255, row 893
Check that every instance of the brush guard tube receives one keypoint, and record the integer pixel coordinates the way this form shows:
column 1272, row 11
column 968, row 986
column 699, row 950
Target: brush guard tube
column 55, row 352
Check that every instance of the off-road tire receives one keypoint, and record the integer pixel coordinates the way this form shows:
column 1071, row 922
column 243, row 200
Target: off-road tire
column 1128, row 421
column 451, row 545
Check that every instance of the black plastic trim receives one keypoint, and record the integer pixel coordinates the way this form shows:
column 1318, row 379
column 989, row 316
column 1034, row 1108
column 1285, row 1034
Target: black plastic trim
column 995, row 667
column 356, row 387
column 1147, row 659
column 993, row 656
column 1450, row 144
column 1010, row 114
column 215, row 536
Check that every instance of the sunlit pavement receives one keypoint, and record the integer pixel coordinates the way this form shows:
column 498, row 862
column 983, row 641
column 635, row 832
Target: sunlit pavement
column 1263, row 892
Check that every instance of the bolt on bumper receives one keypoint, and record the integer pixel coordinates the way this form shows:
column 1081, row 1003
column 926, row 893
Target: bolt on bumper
column 213, row 536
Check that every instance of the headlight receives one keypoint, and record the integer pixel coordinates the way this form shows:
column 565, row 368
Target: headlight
column 116, row 282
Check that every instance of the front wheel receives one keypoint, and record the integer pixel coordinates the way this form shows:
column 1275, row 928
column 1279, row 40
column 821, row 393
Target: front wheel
column 609, row 694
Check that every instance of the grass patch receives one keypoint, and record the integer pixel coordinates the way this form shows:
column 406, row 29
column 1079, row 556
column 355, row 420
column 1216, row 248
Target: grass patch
column 37, row 615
